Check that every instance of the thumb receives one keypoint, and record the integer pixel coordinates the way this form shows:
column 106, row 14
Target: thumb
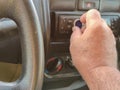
column 76, row 33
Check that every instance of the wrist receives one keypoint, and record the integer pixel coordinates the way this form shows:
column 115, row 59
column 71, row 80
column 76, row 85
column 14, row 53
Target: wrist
column 103, row 78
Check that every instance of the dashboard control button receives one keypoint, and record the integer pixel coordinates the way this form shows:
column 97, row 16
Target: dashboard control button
column 69, row 27
column 66, row 23
column 54, row 65
column 88, row 4
column 110, row 5
column 70, row 21
column 69, row 62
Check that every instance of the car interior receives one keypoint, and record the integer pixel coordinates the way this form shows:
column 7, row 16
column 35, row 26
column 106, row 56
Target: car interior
column 35, row 39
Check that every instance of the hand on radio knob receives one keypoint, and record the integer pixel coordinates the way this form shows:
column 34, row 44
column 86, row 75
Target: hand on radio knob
column 93, row 47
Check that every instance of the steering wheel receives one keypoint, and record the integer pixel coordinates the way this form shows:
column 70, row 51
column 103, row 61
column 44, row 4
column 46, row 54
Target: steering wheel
column 23, row 12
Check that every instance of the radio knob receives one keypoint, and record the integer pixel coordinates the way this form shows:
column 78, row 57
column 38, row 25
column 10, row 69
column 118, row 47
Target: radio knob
column 54, row 65
column 78, row 23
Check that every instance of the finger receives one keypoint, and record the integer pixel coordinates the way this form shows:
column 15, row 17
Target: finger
column 76, row 34
column 83, row 28
column 83, row 18
column 91, row 16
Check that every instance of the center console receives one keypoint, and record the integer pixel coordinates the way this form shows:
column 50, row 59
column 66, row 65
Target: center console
column 59, row 65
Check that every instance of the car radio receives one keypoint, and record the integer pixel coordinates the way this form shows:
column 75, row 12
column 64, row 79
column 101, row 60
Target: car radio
column 59, row 62
column 63, row 24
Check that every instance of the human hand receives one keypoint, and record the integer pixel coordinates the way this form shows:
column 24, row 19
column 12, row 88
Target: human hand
column 93, row 46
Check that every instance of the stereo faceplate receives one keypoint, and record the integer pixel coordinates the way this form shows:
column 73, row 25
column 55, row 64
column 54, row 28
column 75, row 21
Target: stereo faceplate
column 63, row 24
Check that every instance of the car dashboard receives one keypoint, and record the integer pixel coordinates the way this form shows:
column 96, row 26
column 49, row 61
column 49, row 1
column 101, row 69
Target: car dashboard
column 59, row 70
column 56, row 18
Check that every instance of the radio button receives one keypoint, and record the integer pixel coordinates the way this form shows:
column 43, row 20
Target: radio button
column 88, row 4
column 66, row 23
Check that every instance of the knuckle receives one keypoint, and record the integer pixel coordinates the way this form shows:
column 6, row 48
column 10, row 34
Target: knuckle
column 71, row 48
column 93, row 12
column 97, row 25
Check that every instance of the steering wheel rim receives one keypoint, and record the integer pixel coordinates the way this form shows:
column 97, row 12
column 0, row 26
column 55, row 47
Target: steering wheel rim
column 23, row 12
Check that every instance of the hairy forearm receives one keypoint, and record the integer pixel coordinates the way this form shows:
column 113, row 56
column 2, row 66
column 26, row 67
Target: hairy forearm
column 103, row 78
